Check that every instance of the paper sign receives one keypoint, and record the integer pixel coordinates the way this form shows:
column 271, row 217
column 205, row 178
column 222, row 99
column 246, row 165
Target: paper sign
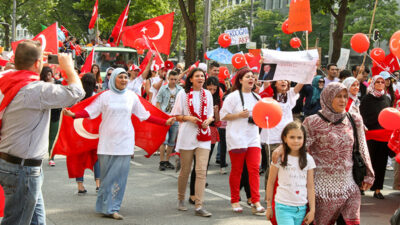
column 344, row 58
column 239, row 36
column 297, row 66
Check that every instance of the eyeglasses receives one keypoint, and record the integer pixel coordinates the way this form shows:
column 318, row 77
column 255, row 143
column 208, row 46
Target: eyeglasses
column 379, row 82
column 321, row 81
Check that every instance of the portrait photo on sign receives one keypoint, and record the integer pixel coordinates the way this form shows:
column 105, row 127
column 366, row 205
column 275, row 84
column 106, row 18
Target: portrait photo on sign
column 267, row 71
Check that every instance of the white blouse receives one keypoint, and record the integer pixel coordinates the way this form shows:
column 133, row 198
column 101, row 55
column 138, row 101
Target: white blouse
column 187, row 135
column 287, row 117
column 239, row 132
column 116, row 133
column 153, row 81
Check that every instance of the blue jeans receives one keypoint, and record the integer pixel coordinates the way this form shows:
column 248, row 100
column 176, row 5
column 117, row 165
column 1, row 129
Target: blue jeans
column 96, row 170
column 23, row 192
column 289, row 215
column 171, row 135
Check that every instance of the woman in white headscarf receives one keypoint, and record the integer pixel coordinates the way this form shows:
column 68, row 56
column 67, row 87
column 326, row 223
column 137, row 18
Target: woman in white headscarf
column 353, row 86
column 116, row 139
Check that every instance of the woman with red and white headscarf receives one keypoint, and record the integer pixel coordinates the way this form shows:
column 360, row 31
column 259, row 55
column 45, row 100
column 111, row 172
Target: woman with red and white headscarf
column 371, row 105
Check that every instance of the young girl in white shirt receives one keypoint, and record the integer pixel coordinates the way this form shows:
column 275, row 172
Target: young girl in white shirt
column 295, row 175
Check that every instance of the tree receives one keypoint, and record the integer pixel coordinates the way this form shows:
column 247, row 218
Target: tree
column 189, row 17
column 339, row 15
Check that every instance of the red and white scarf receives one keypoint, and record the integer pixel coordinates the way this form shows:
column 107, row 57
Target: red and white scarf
column 11, row 82
column 202, row 134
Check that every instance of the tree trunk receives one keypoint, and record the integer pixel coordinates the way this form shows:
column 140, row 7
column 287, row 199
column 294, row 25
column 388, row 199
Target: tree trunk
column 338, row 33
column 190, row 23
column 7, row 37
column 178, row 34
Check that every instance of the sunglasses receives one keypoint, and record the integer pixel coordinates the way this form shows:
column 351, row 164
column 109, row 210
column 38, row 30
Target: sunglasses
column 379, row 82
column 108, row 74
column 321, row 81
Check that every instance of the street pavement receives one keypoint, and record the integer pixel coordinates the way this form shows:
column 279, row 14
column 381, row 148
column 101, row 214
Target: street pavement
column 150, row 198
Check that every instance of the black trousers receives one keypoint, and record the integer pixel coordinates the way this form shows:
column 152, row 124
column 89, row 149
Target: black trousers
column 244, row 181
column 222, row 147
column 379, row 152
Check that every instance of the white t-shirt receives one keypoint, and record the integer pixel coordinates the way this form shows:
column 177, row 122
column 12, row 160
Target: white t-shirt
column 116, row 133
column 154, row 80
column 327, row 81
column 136, row 85
column 239, row 132
column 292, row 181
column 287, row 117
column 187, row 135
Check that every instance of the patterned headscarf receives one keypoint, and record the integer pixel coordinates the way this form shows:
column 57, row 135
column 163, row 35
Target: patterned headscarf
column 327, row 96
column 371, row 88
column 114, row 75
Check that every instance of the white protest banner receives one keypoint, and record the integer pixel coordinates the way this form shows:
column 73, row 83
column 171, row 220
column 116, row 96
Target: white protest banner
column 344, row 58
column 297, row 66
column 239, row 36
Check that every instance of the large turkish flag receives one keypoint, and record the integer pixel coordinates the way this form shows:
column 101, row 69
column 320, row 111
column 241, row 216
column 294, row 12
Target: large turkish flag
column 158, row 30
column 94, row 15
column 299, row 16
column 78, row 138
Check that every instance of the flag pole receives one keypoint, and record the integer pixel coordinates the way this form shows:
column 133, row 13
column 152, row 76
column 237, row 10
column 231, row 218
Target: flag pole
column 370, row 28
column 306, row 39
column 158, row 52
column 97, row 29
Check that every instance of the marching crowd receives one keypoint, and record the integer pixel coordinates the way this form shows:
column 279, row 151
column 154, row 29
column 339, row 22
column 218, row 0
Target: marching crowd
column 308, row 159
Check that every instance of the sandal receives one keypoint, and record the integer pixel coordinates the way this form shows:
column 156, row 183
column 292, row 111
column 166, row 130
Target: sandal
column 236, row 208
column 259, row 211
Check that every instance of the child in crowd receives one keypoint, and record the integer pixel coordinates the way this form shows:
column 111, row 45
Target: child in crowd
column 295, row 175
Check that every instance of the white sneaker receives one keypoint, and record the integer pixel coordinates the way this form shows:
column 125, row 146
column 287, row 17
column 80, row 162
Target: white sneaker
column 52, row 163
column 389, row 168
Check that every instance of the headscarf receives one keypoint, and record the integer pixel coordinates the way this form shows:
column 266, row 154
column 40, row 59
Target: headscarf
column 371, row 88
column 348, row 82
column 327, row 96
column 316, row 90
column 106, row 80
column 114, row 75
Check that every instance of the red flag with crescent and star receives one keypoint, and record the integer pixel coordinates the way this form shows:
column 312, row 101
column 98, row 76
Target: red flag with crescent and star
column 158, row 30
column 78, row 138
column 94, row 15
column 48, row 38
column 390, row 65
column 116, row 33
column 87, row 67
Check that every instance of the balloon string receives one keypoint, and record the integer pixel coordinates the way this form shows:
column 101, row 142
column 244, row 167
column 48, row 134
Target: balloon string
column 268, row 144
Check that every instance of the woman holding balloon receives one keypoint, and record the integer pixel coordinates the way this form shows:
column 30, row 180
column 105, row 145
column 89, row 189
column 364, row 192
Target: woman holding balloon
column 243, row 139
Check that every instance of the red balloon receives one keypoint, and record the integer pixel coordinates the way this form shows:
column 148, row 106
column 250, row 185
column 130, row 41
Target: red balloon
column 285, row 27
column 377, row 54
column 267, row 113
column 223, row 74
column 398, row 158
column 139, row 44
column 224, row 40
column 394, row 44
column 295, row 42
column 238, row 61
column 359, row 42
column 205, row 56
column 389, row 118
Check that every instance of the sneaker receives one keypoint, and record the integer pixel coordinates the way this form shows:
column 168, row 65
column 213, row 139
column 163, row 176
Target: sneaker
column 97, row 189
column 162, row 166
column 115, row 216
column 156, row 153
column 82, row 192
column 181, row 206
column 222, row 170
column 52, row 163
column 169, row 165
column 389, row 168
column 202, row 212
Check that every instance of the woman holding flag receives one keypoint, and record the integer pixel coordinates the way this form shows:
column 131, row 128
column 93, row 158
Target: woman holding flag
column 115, row 138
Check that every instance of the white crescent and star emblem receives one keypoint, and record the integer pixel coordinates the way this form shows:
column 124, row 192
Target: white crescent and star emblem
column 377, row 53
column 160, row 33
column 204, row 132
column 43, row 40
column 81, row 131
column 240, row 60
column 226, row 72
column 94, row 11
column 225, row 37
column 392, row 44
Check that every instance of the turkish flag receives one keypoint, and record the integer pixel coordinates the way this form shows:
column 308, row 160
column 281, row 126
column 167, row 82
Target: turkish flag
column 3, row 62
column 299, row 16
column 158, row 30
column 78, row 138
column 156, row 60
column 64, row 30
column 94, row 15
column 390, row 65
column 48, row 38
column 253, row 62
column 87, row 67
column 116, row 33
